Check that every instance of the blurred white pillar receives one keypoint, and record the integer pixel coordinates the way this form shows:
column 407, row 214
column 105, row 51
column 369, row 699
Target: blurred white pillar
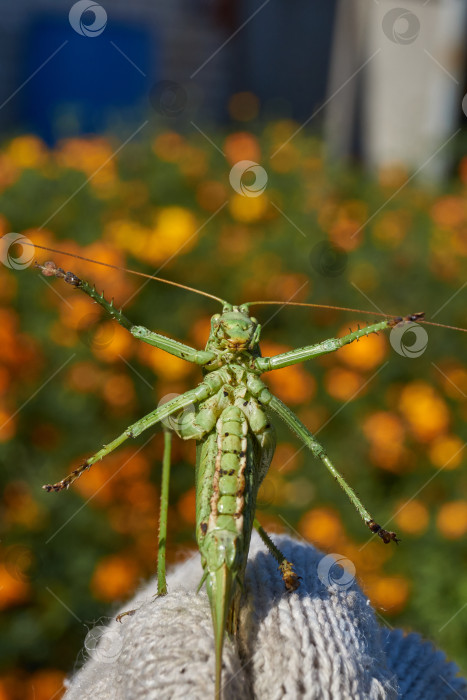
column 412, row 83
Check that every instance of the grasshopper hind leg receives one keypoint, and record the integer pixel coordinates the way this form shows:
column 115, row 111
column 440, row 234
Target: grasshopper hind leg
column 290, row 578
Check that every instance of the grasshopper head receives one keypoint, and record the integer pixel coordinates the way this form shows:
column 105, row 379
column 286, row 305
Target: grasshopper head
column 234, row 329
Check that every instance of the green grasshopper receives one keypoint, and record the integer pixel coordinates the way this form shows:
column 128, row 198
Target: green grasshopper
column 229, row 416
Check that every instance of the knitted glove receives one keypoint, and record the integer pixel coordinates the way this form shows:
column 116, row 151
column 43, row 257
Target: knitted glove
column 320, row 642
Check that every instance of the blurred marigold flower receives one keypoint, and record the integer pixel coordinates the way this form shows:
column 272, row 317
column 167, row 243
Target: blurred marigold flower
column 242, row 146
column 248, row 209
column 186, row 506
column 388, row 593
column 412, row 517
column 118, row 390
column 343, row 384
column 366, row 354
column 114, row 577
column 292, row 384
column 211, row 195
column 322, row 526
column 424, row 410
column 449, row 211
column 446, row 451
column 452, row 519
column 27, row 152
column 13, row 590
column 168, row 367
column 47, row 684
column 169, row 146
column 385, row 432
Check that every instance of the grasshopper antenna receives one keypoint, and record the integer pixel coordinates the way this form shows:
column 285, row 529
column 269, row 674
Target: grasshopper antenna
column 418, row 317
column 122, row 269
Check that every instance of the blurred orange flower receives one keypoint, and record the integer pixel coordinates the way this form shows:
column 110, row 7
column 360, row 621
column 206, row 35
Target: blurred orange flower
column 47, row 684
column 114, row 577
column 446, row 451
column 342, row 384
column 186, row 506
column 242, row 146
column 364, row 354
column 412, row 517
column 13, row 591
column 292, row 384
column 388, row 593
column 322, row 526
column 452, row 519
column 424, row 410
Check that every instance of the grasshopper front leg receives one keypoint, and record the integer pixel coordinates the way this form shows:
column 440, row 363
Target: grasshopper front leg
column 202, row 392
column 265, row 364
column 185, row 352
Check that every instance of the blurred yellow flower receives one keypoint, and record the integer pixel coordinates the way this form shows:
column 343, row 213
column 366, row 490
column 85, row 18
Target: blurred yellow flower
column 248, row 209
column 424, row 410
column 27, row 152
column 391, row 227
column 166, row 366
column 169, row 146
column 412, row 517
column 385, row 432
column 452, row 519
column 446, row 451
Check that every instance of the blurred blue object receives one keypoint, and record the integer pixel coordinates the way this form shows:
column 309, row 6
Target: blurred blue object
column 92, row 83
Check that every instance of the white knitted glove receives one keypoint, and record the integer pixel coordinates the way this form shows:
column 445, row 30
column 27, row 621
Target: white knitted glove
column 320, row 643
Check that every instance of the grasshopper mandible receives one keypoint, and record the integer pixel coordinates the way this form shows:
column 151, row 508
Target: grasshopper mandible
column 232, row 425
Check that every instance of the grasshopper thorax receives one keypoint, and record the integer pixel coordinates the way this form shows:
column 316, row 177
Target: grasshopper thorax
column 233, row 330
